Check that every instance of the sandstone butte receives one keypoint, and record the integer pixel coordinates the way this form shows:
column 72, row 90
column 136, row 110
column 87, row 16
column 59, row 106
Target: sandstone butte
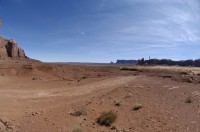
column 10, row 49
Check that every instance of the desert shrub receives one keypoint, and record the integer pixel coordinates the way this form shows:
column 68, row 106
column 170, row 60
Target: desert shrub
column 117, row 103
column 128, row 95
column 188, row 100
column 33, row 78
column 128, row 68
column 184, row 73
column 79, row 112
column 113, row 128
column 107, row 118
column 84, row 77
column 77, row 128
column 137, row 106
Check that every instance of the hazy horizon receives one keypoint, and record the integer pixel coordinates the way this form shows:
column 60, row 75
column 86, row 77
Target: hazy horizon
column 103, row 30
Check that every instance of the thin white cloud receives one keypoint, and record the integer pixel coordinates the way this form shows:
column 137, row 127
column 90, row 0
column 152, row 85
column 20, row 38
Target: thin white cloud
column 152, row 27
column 177, row 25
column 83, row 33
column 153, row 1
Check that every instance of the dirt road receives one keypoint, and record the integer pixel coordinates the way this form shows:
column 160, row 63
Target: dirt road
column 16, row 102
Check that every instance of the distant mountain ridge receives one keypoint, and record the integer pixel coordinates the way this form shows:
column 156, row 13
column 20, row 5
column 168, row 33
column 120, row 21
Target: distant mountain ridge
column 169, row 62
column 10, row 49
column 126, row 62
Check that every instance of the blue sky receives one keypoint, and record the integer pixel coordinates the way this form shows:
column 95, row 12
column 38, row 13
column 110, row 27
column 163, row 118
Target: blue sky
column 103, row 30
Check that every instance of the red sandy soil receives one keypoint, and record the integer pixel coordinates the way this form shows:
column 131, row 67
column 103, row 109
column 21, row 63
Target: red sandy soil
column 39, row 97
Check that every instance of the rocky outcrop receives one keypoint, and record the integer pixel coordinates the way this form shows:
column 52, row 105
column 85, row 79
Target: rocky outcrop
column 10, row 49
column 170, row 62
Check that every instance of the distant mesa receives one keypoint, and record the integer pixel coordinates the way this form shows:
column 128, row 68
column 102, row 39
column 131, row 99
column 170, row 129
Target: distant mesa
column 169, row 62
column 10, row 49
column 126, row 62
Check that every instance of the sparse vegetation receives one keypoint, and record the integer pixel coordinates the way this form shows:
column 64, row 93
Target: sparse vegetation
column 77, row 128
column 188, row 100
column 107, row 118
column 113, row 128
column 129, row 68
column 117, row 103
column 129, row 95
column 137, row 106
column 84, row 77
column 33, row 78
column 79, row 112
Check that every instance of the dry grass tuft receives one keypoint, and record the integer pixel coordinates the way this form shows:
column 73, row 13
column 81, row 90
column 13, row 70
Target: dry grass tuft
column 107, row 118
column 77, row 128
column 137, row 106
column 188, row 100
column 80, row 111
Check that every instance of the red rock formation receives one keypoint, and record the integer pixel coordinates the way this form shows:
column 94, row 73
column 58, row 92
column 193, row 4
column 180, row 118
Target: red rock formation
column 10, row 49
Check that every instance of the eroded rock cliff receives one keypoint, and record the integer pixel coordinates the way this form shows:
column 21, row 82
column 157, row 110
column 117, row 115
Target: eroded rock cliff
column 10, row 49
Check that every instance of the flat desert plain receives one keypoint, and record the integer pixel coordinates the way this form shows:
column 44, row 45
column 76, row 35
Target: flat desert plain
column 41, row 97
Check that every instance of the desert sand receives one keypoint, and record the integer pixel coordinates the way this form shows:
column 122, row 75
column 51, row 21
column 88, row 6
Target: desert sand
column 42, row 97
